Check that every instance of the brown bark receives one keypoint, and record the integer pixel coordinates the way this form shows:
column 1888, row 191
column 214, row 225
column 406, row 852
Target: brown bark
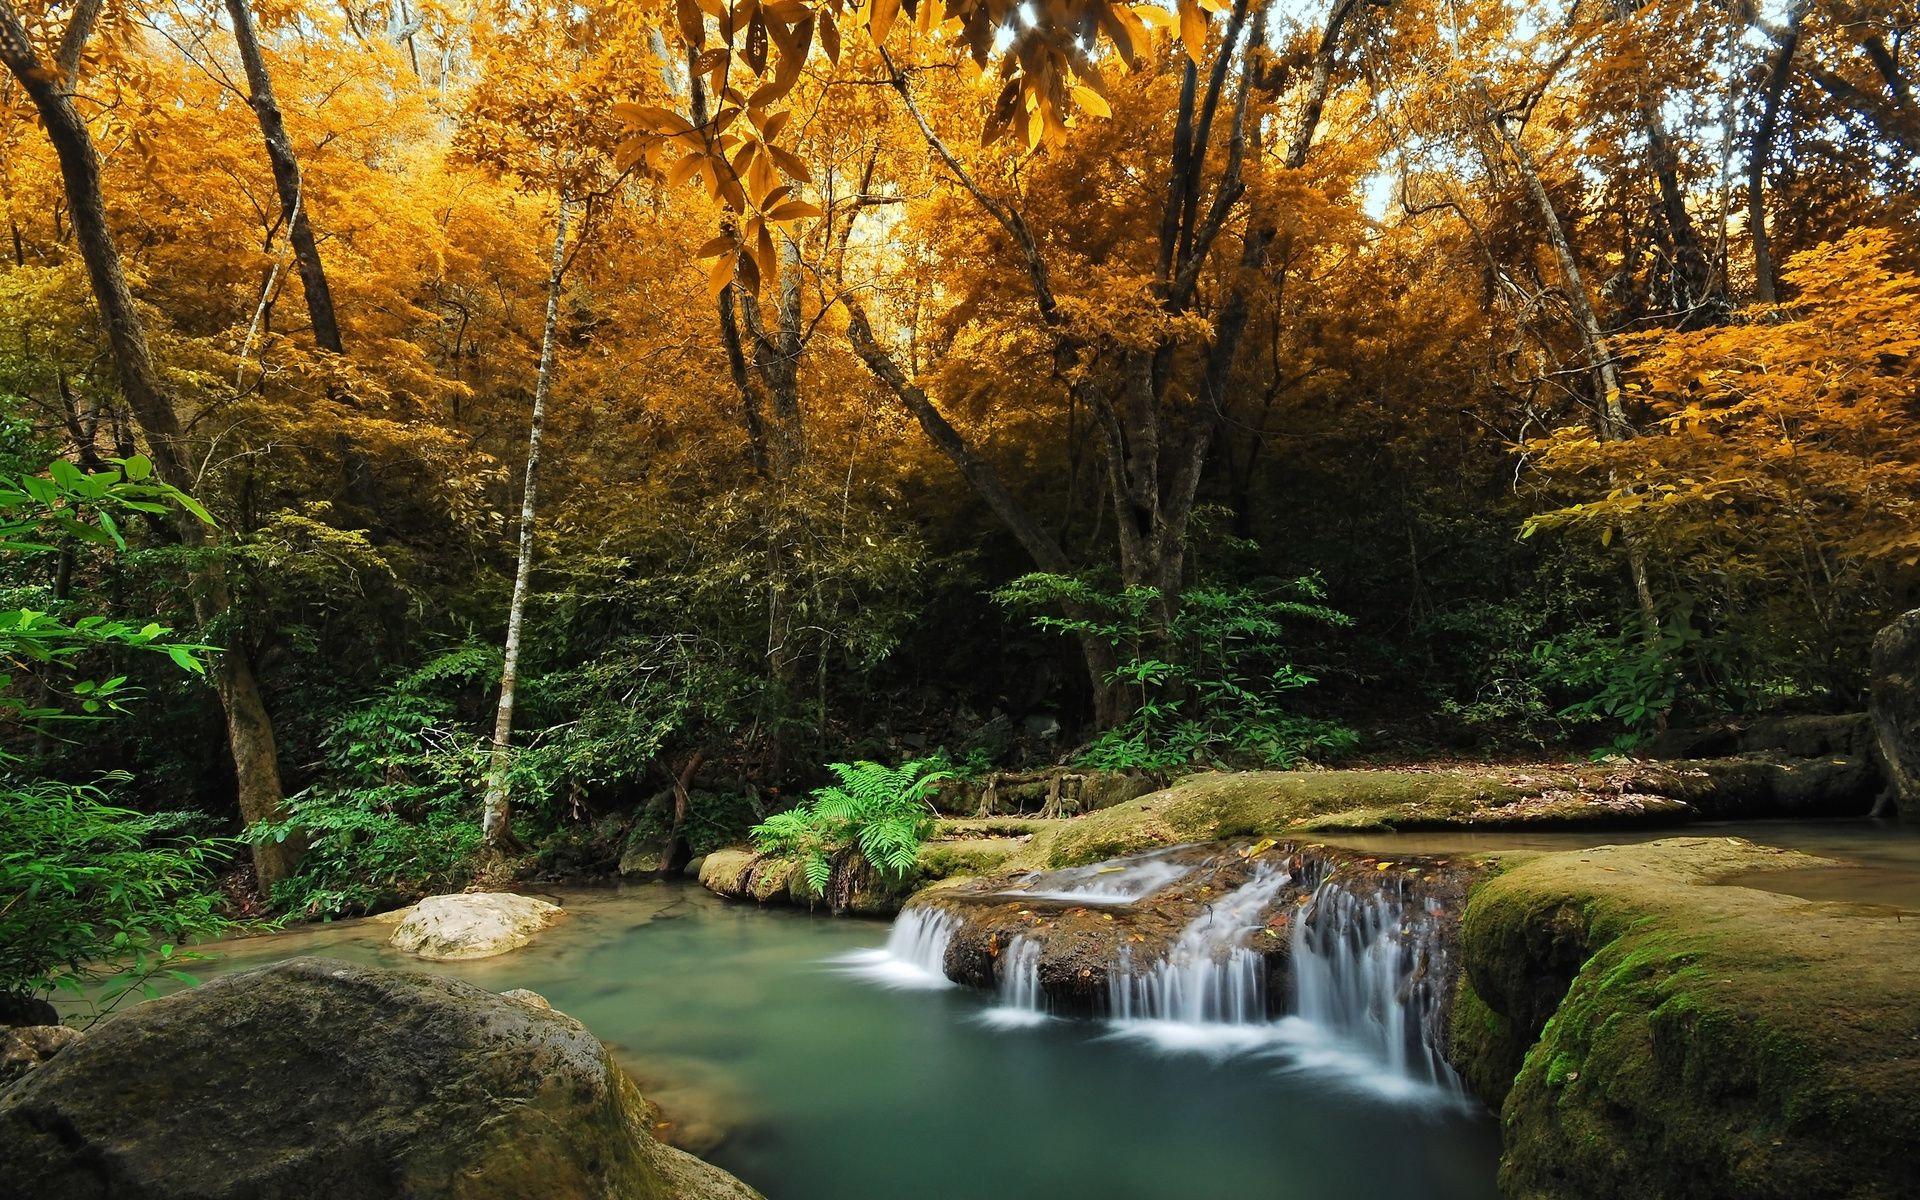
column 286, row 180
column 250, row 736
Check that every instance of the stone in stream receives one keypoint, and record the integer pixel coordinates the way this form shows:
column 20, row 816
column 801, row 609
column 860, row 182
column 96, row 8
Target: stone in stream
column 476, row 925
column 25, row 1047
column 319, row 1078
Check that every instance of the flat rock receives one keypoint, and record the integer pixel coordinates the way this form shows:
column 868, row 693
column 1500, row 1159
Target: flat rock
column 320, row 1078
column 475, row 925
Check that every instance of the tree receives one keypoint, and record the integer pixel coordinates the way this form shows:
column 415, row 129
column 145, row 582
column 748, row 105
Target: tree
column 49, row 83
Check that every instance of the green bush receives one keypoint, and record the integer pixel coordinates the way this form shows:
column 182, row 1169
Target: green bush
column 393, row 817
column 1207, row 684
column 884, row 811
column 91, row 893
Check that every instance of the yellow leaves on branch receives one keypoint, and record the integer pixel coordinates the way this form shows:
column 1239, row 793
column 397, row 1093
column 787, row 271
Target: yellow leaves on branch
column 1799, row 421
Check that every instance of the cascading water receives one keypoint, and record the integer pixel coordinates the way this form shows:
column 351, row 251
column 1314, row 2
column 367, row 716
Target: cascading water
column 1018, row 985
column 1209, row 975
column 1121, row 881
column 915, row 955
column 1371, row 971
column 1367, row 959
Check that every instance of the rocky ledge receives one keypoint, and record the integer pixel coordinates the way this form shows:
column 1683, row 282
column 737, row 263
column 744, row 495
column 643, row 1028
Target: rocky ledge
column 320, row 1078
column 1647, row 1027
column 1299, row 805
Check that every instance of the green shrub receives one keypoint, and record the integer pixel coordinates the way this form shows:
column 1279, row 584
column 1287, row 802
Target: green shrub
column 884, row 811
column 93, row 894
column 1207, row 684
column 392, row 818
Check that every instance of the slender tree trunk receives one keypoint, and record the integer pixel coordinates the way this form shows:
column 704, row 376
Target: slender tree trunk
column 496, row 824
column 286, row 179
column 1606, row 369
column 250, row 737
column 1779, row 71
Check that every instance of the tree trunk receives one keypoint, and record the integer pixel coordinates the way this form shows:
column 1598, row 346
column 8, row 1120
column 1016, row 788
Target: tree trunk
column 496, row 825
column 1779, row 71
column 250, row 736
column 1606, row 370
column 286, row 180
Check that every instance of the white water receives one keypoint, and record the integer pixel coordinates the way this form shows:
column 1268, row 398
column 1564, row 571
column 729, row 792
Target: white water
column 1122, row 881
column 1367, row 975
column 1209, row 976
column 1017, row 979
column 1365, row 972
column 915, row 956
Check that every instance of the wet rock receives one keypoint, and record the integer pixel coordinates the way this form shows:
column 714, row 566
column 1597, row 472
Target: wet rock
column 854, row 886
column 319, row 1078
column 26, row 1010
column 474, row 925
column 24, row 1047
column 1085, row 924
column 1649, row 1029
column 1895, row 708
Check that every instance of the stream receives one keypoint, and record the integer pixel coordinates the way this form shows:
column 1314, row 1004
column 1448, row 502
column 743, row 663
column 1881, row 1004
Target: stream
column 817, row 1058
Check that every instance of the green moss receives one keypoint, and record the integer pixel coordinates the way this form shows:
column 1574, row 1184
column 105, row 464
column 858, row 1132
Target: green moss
column 1707, row 1041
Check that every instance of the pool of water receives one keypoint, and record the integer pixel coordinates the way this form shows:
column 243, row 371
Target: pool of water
column 775, row 1054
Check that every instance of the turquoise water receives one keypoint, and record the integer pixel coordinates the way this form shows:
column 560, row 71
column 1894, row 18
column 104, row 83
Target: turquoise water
column 774, row 1060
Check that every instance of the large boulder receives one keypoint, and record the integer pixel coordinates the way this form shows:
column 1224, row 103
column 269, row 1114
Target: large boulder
column 477, row 925
column 320, row 1078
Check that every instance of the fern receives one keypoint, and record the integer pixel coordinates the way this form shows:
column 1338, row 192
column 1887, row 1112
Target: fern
column 880, row 810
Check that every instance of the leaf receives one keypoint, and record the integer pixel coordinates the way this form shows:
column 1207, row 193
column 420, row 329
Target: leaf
column 720, row 275
column 1193, row 29
column 1154, row 15
column 686, row 169
column 793, row 210
column 830, row 37
column 653, row 119
column 1092, row 101
column 790, row 163
column 718, row 245
column 880, row 17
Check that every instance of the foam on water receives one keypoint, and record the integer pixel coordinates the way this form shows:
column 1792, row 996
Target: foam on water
column 915, row 956
column 1122, row 881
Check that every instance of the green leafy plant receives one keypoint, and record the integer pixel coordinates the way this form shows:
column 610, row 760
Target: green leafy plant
column 1207, row 681
column 95, row 896
column 883, row 811
column 391, row 818
column 95, row 899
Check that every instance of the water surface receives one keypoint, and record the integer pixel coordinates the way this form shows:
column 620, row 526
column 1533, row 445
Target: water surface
column 811, row 1081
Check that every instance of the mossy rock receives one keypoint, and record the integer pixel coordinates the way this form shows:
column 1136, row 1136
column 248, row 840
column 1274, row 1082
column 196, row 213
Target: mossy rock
column 314, row 1077
column 854, row 886
column 1671, row 1035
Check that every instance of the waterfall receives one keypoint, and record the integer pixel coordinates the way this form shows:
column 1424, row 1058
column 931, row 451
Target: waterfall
column 1017, row 982
column 1367, row 957
column 1209, row 975
column 1372, row 972
column 915, row 956
column 1119, row 881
